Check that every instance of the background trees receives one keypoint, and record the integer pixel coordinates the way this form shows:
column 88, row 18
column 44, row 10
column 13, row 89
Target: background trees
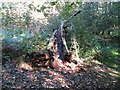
column 94, row 33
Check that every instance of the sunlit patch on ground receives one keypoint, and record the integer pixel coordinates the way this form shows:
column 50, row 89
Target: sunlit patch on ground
column 26, row 66
column 26, row 76
column 60, row 66
column 96, row 62
column 106, row 71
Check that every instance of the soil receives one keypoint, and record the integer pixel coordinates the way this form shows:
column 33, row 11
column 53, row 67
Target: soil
column 15, row 77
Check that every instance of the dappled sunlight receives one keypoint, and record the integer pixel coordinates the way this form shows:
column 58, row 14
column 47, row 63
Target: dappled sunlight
column 103, row 70
column 96, row 62
column 57, row 77
column 46, row 77
column 115, row 52
column 113, row 72
column 115, row 66
column 114, row 75
column 26, row 66
column 60, row 45
column 72, row 67
column 32, row 77
column 100, row 69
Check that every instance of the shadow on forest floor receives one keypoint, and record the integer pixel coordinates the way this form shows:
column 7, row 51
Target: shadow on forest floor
column 97, row 76
column 108, row 70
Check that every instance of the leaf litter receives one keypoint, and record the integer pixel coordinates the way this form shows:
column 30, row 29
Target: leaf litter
column 16, row 77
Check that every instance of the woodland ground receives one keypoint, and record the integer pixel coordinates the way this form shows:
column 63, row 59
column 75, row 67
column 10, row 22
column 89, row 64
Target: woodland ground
column 97, row 76
column 92, row 33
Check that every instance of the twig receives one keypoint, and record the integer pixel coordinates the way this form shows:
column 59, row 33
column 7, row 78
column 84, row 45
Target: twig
column 62, row 25
column 73, row 15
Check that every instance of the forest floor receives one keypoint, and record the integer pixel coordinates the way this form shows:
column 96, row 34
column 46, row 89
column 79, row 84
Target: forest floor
column 96, row 76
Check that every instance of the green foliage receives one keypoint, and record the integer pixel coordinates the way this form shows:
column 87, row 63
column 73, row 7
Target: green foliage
column 19, row 42
column 94, row 23
column 53, row 3
column 92, row 29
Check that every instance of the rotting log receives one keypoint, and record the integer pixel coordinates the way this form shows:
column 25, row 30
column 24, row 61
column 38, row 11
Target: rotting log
column 57, row 49
column 57, row 44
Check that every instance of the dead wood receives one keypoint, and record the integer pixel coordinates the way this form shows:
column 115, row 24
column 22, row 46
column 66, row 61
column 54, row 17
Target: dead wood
column 57, row 50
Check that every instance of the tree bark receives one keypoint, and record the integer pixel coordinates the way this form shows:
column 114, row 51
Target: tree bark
column 57, row 44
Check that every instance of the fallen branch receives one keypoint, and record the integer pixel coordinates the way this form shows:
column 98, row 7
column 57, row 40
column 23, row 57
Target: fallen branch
column 74, row 15
column 62, row 29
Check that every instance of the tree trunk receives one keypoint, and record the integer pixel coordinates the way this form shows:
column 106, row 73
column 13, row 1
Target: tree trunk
column 57, row 44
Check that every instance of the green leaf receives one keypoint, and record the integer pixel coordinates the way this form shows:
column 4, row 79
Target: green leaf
column 69, row 7
column 78, row 2
column 53, row 3
column 43, row 8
